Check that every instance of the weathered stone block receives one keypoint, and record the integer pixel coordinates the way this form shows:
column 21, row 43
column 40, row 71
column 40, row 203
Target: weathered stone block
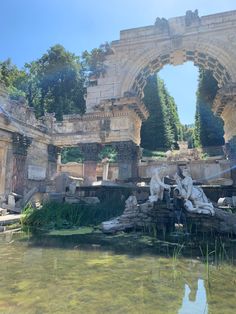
column 36, row 173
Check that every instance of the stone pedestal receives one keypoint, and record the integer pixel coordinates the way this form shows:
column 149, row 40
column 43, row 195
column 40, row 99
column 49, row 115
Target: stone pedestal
column 90, row 174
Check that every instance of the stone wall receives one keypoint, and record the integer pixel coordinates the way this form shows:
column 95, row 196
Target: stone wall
column 77, row 170
column 205, row 171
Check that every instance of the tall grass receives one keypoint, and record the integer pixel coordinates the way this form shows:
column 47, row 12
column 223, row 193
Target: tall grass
column 55, row 215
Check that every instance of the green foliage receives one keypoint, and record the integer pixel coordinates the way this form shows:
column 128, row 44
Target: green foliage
column 11, row 77
column 209, row 129
column 59, row 78
column 53, row 83
column 162, row 130
column 62, row 215
column 151, row 153
column 189, row 135
column 108, row 152
column 93, row 62
column 14, row 93
column 71, row 154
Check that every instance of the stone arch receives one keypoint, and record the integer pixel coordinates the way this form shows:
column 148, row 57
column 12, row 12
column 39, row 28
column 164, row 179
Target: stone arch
column 205, row 56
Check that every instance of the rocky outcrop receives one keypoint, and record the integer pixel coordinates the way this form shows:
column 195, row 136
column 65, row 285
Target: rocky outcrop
column 149, row 214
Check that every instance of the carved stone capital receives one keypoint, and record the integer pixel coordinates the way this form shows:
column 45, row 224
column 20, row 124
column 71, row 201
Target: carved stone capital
column 20, row 144
column 127, row 151
column 90, row 151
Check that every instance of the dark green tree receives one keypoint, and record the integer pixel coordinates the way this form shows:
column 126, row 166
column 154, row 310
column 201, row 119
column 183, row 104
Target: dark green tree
column 188, row 134
column 209, row 129
column 162, row 129
column 173, row 117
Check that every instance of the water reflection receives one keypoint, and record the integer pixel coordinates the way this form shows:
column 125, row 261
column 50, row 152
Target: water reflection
column 36, row 279
column 194, row 300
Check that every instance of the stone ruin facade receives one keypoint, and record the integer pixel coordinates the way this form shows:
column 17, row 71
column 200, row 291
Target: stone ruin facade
column 29, row 147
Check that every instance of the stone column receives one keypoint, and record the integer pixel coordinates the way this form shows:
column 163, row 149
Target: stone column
column 20, row 145
column 105, row 166
column 3, row 159
column 90, row 153
column 128, row 155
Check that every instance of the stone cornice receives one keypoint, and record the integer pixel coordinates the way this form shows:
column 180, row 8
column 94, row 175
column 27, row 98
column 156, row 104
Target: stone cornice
column 110, row 108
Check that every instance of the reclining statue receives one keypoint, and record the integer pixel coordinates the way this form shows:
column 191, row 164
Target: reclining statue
column 194, row 198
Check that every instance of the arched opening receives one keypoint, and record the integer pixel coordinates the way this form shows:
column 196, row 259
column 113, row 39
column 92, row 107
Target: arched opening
column 201, row 59
column 165, row 129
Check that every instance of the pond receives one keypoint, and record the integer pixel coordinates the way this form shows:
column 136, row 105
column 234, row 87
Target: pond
column 43, row 276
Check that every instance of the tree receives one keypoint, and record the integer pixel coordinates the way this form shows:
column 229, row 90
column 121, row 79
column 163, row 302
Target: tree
column 173, row 117
column 93, row 62
column 162, row 129
column 54, row 83
column 209, row 129
column 188, row 134
column 10, row 76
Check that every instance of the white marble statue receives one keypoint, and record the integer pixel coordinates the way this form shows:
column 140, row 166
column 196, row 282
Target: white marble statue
column 157, row 184
column 195, row 199
column 131, row 202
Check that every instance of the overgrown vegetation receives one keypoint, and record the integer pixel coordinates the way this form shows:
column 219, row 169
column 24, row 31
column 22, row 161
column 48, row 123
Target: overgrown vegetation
column 62, row 215
column 162, row 130
column 209, row 129
column 71, row 154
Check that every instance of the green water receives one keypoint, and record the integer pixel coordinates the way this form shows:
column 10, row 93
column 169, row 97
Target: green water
column 56, row 278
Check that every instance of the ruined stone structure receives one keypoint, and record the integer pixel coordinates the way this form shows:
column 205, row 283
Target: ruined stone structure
column 208, row 41
column 29, row 147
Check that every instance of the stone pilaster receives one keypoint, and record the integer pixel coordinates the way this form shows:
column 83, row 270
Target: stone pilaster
column 20, row 145
column 128, row 155
column 53, row 152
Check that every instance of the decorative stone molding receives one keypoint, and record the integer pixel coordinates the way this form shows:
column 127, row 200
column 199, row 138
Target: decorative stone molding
column 225, row 96
column 127, row 151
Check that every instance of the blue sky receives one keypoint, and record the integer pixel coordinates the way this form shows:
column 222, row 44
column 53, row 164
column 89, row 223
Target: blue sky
column 29, row 27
